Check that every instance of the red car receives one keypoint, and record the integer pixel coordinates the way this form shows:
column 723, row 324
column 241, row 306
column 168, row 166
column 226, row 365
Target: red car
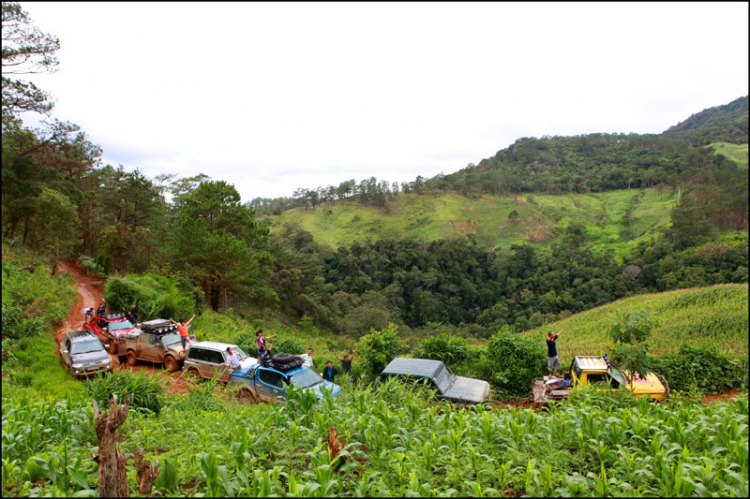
column 108, row 328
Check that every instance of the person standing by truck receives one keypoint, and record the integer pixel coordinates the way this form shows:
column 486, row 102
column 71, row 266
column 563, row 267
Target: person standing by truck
column 130, row 313
column 233, row 359
column 182, row 327
column 346, row 362
column 122, row 351
column 330, row 372
column 553, row 361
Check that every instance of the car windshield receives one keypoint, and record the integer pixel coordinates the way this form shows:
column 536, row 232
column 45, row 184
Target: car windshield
column 618, row 376
column 170, row 339
column 444, row 378
column 118, row 325
column 306, row 378
column 86, row 346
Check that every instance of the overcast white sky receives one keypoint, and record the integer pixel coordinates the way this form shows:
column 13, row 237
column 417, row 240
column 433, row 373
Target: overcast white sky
column 271, row 97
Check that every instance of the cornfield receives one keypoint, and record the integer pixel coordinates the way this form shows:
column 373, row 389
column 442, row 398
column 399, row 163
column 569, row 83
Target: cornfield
column 395, row 441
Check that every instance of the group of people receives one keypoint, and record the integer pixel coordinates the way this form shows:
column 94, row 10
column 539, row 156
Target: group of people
column 101, row 311
column 329, row 372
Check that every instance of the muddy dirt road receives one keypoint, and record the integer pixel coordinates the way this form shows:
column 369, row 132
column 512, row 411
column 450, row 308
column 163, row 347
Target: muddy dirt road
column 90, row 292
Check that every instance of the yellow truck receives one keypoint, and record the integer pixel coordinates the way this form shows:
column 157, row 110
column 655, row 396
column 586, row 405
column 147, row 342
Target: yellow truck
column 596, row 370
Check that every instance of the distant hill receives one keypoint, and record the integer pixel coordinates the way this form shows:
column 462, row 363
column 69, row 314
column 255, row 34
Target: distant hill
column 715, row 315
column 734, row 111
column 615, row 220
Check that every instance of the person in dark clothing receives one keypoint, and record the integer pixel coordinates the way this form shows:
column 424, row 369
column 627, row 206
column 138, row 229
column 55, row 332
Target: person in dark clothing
column 330, row 372
column 346, row 362
column 130, row 313
column 122, row 351
column 553, row 361
column 102, row 310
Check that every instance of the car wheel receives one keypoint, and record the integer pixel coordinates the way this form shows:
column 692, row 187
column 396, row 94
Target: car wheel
column 246, row 394
column 193, row 374
column 132, row 359
column 171, row 364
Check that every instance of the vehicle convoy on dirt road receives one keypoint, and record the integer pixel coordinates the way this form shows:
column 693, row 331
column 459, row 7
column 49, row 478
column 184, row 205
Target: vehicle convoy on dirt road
column 596, row 370
column 83, row 354
column 267, row 381
column 156, row 341
column 208, row 359
column 108, row 328
column 450, row 387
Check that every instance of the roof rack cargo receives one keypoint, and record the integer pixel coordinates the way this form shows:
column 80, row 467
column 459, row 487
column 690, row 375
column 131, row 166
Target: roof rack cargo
column 158, row 326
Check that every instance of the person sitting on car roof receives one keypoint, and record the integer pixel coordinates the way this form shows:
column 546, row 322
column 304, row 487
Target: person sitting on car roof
column 88, row 314
column 260, row 343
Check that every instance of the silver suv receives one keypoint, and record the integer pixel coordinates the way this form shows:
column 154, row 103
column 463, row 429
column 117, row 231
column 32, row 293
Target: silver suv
column 83, row 354
column 156, row 341
column 208, row 359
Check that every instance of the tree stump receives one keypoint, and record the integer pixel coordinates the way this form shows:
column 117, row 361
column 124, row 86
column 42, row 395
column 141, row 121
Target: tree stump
column 113, row 480
column 145, row 473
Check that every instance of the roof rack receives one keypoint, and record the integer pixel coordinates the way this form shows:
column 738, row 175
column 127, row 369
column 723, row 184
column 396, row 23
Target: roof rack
column 113, row 316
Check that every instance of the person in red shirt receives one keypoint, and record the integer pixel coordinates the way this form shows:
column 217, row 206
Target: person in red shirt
column 182, row 327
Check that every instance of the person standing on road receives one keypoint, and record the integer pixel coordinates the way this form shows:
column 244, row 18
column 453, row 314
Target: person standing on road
column 88, row 314
column 346, row 362
column 553, row 361
column 233, row 359
column 130, row 313
column 122, row 351
column 102, row 310
column 330, row 372
column 182, row 327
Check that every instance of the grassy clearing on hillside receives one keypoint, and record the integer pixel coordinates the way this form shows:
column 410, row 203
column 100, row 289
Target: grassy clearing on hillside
column 431, row 217
column 715, row 315
column 30, row 363
column 733, row 152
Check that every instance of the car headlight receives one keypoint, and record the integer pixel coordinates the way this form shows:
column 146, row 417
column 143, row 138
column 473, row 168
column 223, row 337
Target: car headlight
column 77, row 366
column 107, row 361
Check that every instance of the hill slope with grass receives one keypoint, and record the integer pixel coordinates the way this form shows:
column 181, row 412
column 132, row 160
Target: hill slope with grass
column 715, row 315
column 615, row 220
column 733, row 152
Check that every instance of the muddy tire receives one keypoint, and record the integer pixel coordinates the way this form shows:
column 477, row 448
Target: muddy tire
column 245, row 394
column 171, row 364
column 192, row 374
column 132, row 359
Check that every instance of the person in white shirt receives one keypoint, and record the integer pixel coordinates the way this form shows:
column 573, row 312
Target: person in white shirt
column 307, row 360
column 233, row 358
column 88, row 314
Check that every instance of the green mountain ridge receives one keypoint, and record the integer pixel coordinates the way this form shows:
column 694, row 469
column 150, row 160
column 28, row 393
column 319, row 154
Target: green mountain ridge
column 734, row 111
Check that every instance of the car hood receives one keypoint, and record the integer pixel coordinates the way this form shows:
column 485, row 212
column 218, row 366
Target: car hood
column 473, row 391
column 327, row 385
column 89, row 358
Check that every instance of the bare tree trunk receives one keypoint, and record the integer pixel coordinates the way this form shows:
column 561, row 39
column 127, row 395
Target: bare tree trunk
column 112, row 473
column 145, row 473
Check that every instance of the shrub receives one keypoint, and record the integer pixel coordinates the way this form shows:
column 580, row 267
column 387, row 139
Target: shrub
column 282, row 343
column 91, row 266
column 379, row 348
column 444, row 347
column 154, row 296
column 512, row 362
column 145, row 392
column 701, row 367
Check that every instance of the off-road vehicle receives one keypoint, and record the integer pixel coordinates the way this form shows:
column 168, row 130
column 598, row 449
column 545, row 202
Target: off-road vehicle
column 208, row 359
column 436, row 374
column 597, row 370
column 108, row 329
column 83, row 354
column 156, row 341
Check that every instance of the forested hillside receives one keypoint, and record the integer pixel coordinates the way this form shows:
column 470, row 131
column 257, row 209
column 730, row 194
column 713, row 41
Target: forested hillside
column 734, row 111
column 547, row 227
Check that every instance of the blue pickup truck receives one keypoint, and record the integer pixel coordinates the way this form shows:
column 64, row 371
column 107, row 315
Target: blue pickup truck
column 262, row 383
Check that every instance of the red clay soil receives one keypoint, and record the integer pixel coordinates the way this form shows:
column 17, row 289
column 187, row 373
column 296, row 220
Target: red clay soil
column 728, row 394
column 90, row 292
